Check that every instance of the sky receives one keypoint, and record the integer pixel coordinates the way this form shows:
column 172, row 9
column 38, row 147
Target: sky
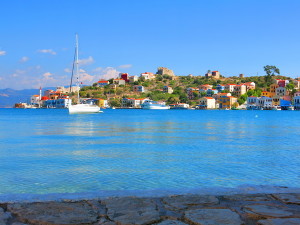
column 37, row 38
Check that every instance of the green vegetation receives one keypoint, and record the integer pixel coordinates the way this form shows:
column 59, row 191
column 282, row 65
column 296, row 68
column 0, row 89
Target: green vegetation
column 153, row 88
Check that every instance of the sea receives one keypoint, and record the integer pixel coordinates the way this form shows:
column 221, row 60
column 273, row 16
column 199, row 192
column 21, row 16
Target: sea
column 50, row 154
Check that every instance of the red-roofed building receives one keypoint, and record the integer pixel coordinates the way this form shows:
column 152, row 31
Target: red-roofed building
column 229, row 87
column 124, row 76
column 226, row 102
column 297, row 84
column 239, row 90
column 207, row 103
column 119, row 81
column 102, row 83
column 205, row 87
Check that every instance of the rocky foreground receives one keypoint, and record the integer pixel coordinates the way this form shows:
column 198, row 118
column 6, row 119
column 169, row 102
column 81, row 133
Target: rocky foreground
column 264, row 209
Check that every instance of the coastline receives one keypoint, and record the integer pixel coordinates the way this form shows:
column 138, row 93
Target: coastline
column 260, row 208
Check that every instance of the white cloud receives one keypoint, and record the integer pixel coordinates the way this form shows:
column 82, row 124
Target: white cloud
column 47, row 51
column 98, row 69
column 86, row 78
column 67, row 70
column 88, row 61
column 126, row 66
column 2, row 53
column 108, row 73
column 24, row 59
column 48, row 76
column 18, row 73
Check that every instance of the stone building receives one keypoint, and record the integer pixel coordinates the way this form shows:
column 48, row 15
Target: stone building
column 164, row 70
column 213, row 74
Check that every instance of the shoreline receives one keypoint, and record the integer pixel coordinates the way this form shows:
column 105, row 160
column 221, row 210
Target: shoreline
column 147, row 193
column 188, row 209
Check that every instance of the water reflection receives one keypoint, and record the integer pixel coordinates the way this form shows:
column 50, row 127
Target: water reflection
column 147, row 150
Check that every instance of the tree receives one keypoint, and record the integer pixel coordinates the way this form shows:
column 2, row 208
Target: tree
column 270, row 72
column 115, row 103
column 173, row 100
column 290, row 86
column 242, row 99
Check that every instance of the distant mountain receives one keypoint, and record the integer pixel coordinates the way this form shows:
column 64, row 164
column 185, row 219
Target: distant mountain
column 8, row 96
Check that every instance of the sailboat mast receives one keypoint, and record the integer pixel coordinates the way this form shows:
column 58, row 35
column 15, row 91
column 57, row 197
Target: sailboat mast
column 77, row 70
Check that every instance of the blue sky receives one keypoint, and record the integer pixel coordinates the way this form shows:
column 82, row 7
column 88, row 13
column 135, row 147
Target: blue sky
column 37, row 38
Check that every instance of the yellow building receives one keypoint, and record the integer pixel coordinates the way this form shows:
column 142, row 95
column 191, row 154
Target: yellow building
column 102, row 103
column 273, row 88
column 226, row 102
column 276, row 100
column 267, row 94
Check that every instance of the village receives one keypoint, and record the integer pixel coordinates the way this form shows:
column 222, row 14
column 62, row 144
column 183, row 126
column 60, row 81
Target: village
column 211, row 91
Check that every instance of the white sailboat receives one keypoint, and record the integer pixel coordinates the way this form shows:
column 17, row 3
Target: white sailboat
column 80, row 107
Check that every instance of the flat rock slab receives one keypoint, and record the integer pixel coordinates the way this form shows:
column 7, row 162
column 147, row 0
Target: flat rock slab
column 267, row 211
column 171, row 222
column 132, row 210
column 288, row 221
column 212, row 217
column 288, row 198
column 187, row 201
column 54, row 213
column 3, row 217
column 253, row 197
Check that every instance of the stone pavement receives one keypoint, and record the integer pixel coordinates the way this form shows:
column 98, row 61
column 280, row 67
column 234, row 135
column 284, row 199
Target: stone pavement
column 262, row 209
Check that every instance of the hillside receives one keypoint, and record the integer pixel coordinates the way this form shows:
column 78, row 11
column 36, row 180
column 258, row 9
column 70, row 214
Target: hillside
column 153, row 88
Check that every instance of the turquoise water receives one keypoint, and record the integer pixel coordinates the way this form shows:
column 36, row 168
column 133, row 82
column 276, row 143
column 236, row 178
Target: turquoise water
column 46, row 151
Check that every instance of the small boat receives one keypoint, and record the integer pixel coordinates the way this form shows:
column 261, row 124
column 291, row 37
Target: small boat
column 179, row 106
column 149, row 104
column 276, row 107
column 80, row 107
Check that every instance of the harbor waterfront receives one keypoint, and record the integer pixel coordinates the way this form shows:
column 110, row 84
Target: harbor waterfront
column 47, row 151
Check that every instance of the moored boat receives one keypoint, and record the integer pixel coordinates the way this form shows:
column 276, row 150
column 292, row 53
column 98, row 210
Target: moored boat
column 149, row 104
column 179, row 106
column 80, row 107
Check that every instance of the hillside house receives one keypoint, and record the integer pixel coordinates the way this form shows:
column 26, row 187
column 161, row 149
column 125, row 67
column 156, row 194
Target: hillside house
column 207, row 103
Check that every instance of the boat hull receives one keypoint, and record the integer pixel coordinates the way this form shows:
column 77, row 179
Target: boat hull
column 84, row 108
column 155, row 107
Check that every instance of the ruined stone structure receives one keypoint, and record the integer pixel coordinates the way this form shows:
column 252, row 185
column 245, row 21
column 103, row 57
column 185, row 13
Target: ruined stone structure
column 164, row 70
column 213, row 74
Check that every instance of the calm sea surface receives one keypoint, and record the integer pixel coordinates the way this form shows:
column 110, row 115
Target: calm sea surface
column 46, row 151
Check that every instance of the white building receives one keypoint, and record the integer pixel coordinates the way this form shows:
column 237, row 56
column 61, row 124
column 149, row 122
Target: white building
column 265, row 102
column 58, row 103
column 66, row 89
column 229, row 87
column 207, row 103
column 168, row 89
column 148, row 75
column 132, row 103
column 119, row 81
column 281, row 91
column 252, row 102
column 35, row 100
column 297, row 102
column 133, row 79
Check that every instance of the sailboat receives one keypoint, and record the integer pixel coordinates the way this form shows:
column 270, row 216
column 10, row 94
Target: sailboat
column 80, row 107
